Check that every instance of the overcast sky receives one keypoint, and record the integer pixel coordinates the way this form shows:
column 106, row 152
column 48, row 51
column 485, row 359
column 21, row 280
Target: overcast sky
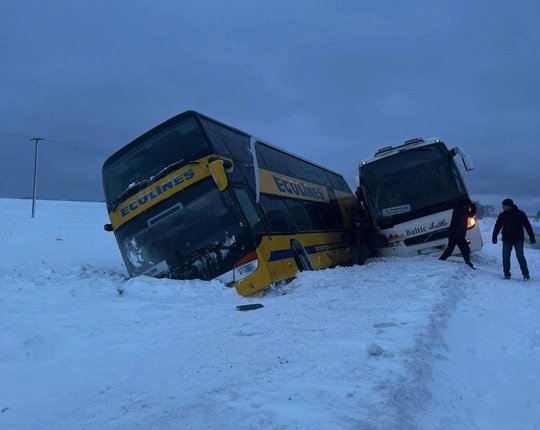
column 332, row 81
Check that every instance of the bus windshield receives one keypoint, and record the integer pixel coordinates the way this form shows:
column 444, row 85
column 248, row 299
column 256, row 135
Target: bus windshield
column 153, row 158
column 196, row 234
column 413, row 182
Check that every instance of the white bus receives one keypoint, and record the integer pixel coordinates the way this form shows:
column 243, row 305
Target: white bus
column 408, row 192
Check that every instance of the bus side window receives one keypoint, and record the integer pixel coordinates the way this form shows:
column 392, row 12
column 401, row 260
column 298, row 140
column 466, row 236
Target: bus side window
column 299, row 215
column 331, row 216
column 273, row 159
column 248, row 209
column 213, row 133
column 278, row 214
column 315, row 213
column 238, row 145
column 260, row 156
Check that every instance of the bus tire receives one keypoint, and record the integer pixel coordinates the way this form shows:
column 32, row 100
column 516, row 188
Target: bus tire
column 300, row 255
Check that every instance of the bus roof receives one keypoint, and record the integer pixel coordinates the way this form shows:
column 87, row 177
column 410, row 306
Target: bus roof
column 388, row 151
column 265, row 143
column 175, row 118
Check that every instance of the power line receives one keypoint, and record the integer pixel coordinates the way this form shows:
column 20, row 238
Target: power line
column 82, row 148
column 36, row 140
column 69, row 145
column 16, row 135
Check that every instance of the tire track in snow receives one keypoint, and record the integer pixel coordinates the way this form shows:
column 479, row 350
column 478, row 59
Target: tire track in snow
column 412, row 393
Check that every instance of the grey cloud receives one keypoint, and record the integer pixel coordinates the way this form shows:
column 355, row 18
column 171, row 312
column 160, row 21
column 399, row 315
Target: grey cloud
column 332, row 81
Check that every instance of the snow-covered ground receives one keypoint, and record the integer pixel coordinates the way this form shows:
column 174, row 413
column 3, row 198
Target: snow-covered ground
column 397, row 344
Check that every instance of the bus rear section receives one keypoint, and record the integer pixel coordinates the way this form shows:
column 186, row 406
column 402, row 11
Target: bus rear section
column 187, row 200
column 409, row 192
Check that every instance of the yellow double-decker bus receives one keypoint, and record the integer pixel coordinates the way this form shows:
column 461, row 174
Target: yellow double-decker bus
column 194, row 198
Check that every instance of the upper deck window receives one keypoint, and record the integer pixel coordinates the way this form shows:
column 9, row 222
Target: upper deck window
column 174, row 146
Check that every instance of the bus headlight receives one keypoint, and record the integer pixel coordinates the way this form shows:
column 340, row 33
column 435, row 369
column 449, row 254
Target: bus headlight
column 245, row 268
column 471, row 222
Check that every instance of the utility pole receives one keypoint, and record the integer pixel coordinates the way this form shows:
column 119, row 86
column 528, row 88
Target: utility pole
column 36, row 140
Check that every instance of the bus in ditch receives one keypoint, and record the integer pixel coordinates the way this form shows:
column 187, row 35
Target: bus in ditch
column 194, row 198
column 408, row 192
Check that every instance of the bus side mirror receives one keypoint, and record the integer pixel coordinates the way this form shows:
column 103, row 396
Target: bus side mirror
column 467, row 162
column 217, row 170
column 108, row 227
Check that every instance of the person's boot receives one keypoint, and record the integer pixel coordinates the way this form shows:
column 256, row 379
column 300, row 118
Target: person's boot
column 526, row 278
column 471, row 265
column 507, row 276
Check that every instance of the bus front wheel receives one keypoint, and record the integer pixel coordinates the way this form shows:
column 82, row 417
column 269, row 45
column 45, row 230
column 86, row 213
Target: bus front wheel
column 301, row 257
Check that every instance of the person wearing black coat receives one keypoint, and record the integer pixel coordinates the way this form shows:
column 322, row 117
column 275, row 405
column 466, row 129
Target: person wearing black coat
column 512, row 221
column 457, row 231
column 360, row 236
column 352, row 237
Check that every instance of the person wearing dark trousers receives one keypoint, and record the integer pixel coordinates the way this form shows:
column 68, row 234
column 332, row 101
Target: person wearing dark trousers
column 352, row 238
column 512, row 221
column 366, row 240
column 457, row 231
column 359, row 237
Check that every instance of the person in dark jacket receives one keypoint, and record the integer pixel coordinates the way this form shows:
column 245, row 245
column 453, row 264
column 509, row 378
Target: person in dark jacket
column 359, row 236
column 352, row 238
column 457, row 231
column 512, row 221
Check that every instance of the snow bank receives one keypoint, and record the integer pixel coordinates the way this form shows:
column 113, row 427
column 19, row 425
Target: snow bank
column 81, row 346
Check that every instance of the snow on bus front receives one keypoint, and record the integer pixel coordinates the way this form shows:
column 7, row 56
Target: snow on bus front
column 167, row 215
column 195, row 234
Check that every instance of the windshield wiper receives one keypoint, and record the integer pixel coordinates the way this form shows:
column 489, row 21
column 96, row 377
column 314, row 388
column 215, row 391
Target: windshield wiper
column 170, row 168
column 166, row 170
column 132, row 189
column 146, row 182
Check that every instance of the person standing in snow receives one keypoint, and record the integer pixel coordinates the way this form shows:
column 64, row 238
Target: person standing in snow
column 366, row 240
column 512, row 221
column 360, row 238
column 352, row 237
column 457, row 231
